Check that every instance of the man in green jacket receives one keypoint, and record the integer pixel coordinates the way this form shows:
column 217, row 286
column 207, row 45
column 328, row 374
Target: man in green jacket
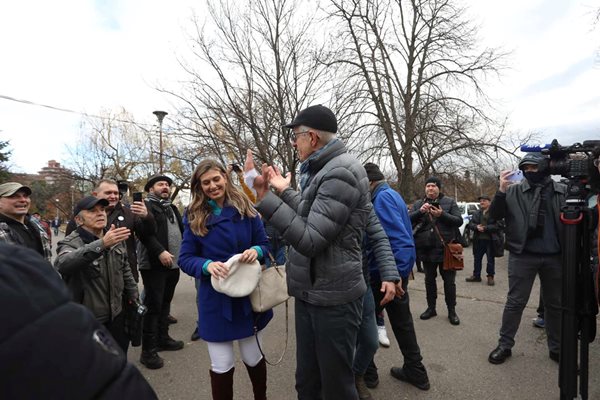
column 95, row 267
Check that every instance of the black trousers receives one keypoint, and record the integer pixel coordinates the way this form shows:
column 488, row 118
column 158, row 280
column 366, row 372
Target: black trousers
column 401, row 321
column 448, row 277
column 159, row 286
column 116, row 327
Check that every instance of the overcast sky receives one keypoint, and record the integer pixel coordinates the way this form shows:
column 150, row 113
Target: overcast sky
column 86, row 55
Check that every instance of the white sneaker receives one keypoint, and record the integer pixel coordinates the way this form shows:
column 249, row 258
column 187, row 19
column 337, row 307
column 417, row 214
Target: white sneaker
column 383, row 338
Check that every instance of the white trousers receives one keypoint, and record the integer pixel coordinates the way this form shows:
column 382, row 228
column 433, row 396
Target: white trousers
column 222, row 357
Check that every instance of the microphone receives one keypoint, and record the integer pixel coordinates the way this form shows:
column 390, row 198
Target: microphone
column 526, row 148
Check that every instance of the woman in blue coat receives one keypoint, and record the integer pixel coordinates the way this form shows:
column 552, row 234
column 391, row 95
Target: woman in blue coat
column 220, row 222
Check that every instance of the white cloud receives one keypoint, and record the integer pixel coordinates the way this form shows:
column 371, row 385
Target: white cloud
column 87, row 55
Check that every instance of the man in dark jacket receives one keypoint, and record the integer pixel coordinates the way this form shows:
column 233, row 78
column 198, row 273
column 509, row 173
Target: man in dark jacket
column 323, row 224
column 484, row 228
column 531, row 210
column 16, row 227
column 95, row 268
column 157, row 258
column 51, row 347
column 436, row 211
column 393, row 215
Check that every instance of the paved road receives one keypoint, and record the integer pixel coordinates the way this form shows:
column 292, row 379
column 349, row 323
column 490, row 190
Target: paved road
column 456, row 357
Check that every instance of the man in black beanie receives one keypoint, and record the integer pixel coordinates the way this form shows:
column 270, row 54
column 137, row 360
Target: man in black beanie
column 393, row 216
column 436, row 209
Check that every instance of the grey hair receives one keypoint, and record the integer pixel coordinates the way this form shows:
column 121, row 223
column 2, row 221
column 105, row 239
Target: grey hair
column 324, row 136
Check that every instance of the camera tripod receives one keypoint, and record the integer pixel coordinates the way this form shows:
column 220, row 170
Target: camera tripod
column 578, row 322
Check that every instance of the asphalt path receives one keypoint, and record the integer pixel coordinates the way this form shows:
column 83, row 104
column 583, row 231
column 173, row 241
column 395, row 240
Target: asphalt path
column 455, row 356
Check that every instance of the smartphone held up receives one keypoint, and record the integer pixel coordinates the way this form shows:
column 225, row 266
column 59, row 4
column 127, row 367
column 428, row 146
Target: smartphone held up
column 515, row 176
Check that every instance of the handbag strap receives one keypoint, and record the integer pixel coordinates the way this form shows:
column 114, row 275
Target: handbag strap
column 286, row 338
column 437, row 230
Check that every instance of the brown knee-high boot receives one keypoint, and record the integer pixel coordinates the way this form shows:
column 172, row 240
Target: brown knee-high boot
column 222, row 385
column 258, row 377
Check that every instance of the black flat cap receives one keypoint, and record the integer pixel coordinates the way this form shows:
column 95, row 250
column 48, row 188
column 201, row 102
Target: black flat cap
column 316, row 117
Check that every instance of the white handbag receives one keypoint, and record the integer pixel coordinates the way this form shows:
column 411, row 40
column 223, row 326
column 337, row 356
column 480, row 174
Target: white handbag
column 271, row 289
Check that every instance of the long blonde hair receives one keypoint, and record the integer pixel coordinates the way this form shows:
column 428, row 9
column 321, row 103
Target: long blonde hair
column 199, row 210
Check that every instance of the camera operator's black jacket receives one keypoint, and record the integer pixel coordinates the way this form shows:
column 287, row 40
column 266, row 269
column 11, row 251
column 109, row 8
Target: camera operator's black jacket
column 51, row 347
column 427, row 242
column 516, row 204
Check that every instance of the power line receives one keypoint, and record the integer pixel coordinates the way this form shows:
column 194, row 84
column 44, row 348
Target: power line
column 32, row 103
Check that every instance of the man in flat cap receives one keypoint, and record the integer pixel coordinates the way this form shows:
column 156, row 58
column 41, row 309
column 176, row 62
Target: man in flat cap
column 94, row 265
column 441, row 211
column 486, row 230
column 157, row 262
column 323, row 224
column 531, row 209
column 16, row 226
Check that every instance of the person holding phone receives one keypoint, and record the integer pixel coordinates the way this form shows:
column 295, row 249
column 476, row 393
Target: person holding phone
column 441, row 211
column 531, row 210
column 135, row 218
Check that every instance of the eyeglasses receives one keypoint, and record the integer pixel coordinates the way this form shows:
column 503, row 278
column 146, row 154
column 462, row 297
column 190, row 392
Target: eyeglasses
column 294, row 136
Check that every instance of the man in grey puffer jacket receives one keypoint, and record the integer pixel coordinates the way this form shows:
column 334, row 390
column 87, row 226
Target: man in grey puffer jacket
column 324, row 225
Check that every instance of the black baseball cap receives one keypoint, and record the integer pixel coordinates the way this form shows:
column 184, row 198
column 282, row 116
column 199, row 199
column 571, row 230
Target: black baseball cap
column 87, row 203
column 484, row 197
column 316, row 117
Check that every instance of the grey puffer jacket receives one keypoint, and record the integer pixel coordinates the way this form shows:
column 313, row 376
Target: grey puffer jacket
column 515, row 205
column 97, row 277
column 324, row 226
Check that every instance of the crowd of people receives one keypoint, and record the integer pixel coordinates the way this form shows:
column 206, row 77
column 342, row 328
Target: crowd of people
column 349, row 242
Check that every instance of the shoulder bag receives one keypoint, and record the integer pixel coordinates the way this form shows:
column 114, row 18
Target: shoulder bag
column 270, row 292
column 453, row 253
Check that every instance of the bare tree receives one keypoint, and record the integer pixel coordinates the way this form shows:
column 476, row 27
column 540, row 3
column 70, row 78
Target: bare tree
column 418, row 64
column 253, row 67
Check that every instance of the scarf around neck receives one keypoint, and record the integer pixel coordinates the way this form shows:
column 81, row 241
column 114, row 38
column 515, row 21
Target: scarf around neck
column 165, row 204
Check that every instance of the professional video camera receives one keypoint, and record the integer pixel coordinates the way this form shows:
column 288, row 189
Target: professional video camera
column 579, row 300
column 574, row 161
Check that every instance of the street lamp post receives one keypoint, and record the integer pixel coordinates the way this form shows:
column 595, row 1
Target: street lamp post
column 57, row 201
column 160, row 115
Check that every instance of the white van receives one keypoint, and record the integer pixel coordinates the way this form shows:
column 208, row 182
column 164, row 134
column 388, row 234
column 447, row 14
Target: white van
column 467, row 209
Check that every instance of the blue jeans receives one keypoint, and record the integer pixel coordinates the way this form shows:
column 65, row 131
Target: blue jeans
column 368, row 341
column 481, row 248
column 325, row 342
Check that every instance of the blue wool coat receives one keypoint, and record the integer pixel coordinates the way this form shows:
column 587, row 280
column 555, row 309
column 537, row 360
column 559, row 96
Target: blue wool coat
column 222, row 318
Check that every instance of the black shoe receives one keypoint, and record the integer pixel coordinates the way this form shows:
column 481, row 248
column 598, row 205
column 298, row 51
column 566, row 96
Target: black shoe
column 430, row 312
column 169, row 344
column 399, row 374
column 151, row 360
column 371, row 380
column 499, row 355
column 171, row 319
column 453, row 318
column 473, row 278
column 554, row 356
column 195, row 335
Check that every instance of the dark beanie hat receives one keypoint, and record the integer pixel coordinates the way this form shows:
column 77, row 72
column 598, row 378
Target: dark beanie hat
column 373, row 172
column 435, row 180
